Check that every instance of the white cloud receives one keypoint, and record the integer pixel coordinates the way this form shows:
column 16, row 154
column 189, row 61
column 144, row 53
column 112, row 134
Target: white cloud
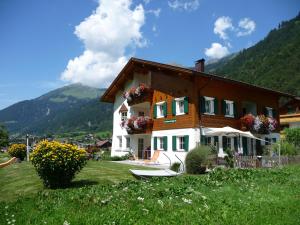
column 112, row 28
column 147, row 1
column 156, row 12
column 187, row 5
column 216, row 51
column 223, row 24
column 247, row 25
column 154, row 28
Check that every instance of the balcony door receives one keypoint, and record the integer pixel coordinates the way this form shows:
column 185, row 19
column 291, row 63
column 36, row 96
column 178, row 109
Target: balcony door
column 141, row 148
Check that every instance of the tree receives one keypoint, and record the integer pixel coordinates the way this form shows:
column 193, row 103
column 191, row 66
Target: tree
column 3, row 136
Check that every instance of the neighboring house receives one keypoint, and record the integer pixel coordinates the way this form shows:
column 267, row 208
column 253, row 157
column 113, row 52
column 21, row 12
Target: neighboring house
column 104, row 144
column 290, row 114
column 170, row 108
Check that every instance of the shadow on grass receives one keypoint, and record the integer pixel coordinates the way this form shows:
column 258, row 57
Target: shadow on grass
column 82, row 183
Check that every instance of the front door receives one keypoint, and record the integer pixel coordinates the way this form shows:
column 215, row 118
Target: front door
column 141, row 148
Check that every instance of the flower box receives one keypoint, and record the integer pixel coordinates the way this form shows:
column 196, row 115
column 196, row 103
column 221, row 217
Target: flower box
column 136, row 125
column 138, row 94
column 258, row 124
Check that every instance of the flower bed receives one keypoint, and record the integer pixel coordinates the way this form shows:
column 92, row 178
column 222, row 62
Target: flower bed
column 137, row 124
column 137, row 94
column 259, row 124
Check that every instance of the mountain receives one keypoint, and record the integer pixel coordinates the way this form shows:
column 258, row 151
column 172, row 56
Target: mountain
column 68, row 109
column 273, row 62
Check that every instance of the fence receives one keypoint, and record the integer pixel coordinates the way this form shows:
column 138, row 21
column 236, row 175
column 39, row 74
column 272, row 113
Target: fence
column 264, row 161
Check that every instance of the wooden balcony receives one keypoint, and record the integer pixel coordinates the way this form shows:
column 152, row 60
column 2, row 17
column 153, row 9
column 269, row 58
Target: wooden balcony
column 138, row 94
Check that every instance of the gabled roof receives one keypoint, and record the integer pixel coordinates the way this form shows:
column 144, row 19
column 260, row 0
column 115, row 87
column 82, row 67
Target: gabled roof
column 123, row 108
column 122, row 77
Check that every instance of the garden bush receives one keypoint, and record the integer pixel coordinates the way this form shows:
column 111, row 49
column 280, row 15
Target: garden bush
column 286, row 148
column 229, row 158
column 175, row 166
column 292, row 135
column 57, row 163
column 17, row 150
column 197, row 159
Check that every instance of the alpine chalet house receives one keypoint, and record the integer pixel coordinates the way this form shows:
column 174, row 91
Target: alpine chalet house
column 160, row 107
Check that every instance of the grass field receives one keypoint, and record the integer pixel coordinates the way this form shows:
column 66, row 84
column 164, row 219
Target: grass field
column 111, row 196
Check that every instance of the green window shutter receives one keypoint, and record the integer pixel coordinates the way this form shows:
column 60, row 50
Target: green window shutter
column 165, row 109
column 265, row 111
column 245, row 146
column 155, row 143
column 203, row 140
column 186, row 105
column 154, row 111
column 173, row 107
column 202, row 104
column 235, row 139
column 186, row 142
column 235, row 112
column 224, row 141
column 216, row 106
column 174, row 147
column 165, row 138
column 216, row 139
column 223, row 107
column 274, row 113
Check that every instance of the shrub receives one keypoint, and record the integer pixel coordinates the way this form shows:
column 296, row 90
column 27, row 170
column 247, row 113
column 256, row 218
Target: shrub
column 292, row 136
column 17, row 150
column 120, row 158
column 57, row 163
column 196, row 160
column 229, row 158
column 286, row 148
column 175, row 166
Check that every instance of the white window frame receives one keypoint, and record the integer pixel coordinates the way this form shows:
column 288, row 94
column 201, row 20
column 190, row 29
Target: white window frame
column 178, row 143
column 120, row 144
column 124, row 117
column 128, row 146
column 231, row 109
column 177, row 105
column 211, row 107
column 160, row 143
column 160, row 109
column 269, row 112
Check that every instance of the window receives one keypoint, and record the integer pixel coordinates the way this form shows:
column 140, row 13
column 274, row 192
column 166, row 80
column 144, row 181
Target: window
column 229, row 108
column 269, row 112
column 120, row 141
column 123, row 116
column 180, row 143
column 141, row 113
column 180, row 106
column 209, row 105
column 228, row 143
column 128, row 142
column 160, row 109
column 160, row 141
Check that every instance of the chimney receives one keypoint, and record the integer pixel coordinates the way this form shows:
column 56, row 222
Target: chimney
column 199, row 65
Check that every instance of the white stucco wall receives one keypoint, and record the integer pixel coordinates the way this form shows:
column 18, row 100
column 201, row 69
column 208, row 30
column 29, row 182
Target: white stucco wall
column 194, row 138
column 119, row 100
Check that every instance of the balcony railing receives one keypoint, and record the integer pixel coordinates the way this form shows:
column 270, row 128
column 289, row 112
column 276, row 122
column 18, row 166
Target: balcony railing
column 138, row 94
column 260, row 124
column 137, row 125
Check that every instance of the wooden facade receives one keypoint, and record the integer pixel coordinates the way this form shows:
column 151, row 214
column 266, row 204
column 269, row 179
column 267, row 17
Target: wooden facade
column 169, row 82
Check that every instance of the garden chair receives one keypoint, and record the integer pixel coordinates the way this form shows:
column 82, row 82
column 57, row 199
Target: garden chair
column 153, row 159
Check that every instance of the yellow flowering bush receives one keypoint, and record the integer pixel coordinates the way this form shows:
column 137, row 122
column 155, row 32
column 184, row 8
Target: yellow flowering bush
column 17, row 150
column 57, row 163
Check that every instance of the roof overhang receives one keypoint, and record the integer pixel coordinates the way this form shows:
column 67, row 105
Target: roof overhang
column 133, row 63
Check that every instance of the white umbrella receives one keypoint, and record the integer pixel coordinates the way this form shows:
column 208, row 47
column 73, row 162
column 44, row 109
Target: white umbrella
column 229, row 132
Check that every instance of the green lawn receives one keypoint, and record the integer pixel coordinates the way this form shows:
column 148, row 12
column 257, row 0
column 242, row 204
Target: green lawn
column 21, row 178
column 223, row 197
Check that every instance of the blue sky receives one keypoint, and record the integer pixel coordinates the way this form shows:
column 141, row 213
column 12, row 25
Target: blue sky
column 47, row 44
